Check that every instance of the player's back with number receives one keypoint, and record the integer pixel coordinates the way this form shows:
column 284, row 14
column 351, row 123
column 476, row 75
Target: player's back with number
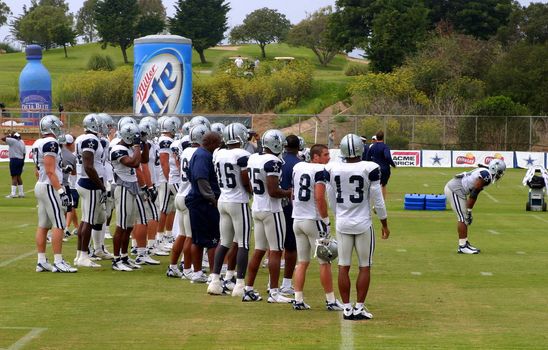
column 260, row 166
column 305, row 176
column 351, row 183
column 228, row 167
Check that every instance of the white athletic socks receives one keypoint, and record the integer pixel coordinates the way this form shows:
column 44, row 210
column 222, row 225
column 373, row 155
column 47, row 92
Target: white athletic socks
column 57, row 258
column 21, row 192
column 286, row 283
column 150, row 243
column 347, row 306
column 462, row 241
column 299, row 297
column 96, row 237
column 41, row 258
column 330, row 297
column 215, row 277
column 141, row 251
column 359, row 305
column 13, row 190
column 229, row 275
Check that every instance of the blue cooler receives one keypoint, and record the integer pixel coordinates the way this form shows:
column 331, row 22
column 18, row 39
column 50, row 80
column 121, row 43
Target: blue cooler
column 162, row 75
column 435, row 202
column 414, row 201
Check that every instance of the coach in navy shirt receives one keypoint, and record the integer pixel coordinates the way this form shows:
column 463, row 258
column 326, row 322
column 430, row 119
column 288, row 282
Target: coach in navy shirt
column 290, row 157
column 379, row 152
column 202, row 201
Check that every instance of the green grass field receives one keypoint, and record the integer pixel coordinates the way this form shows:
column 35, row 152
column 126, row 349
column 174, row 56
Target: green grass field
column 423, row 295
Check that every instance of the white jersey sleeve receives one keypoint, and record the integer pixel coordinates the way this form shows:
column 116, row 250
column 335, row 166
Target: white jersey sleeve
column 47, row 147
column 174, row 163
column 164, row 146
column 121, row 171
column 185, row 160
column 89, row 143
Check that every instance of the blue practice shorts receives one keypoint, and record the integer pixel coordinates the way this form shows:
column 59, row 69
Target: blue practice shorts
column 204, row 223
column 385, row 175
column 290, row 242
column 16, row 166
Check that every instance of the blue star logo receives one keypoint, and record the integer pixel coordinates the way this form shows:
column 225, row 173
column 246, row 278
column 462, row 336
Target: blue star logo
column 530, row 161
column 436, row 159
column 276, row 137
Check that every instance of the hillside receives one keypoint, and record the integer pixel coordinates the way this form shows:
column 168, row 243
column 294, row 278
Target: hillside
column 59, row 67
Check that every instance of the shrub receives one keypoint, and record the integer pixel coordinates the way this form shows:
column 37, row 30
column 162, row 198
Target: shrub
column 98, row 90
column 101, row 62
column 8, row 48
column 354, row 69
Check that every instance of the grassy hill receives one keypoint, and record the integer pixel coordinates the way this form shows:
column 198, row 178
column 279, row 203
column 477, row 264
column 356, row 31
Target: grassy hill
column 59, row 66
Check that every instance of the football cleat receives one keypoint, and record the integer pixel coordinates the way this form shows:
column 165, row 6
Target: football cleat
column 265, row 263
column 300, row 305
column 467, row 249
column 251, row 295
column 198, row 277
column 229, row 284
column 43, row 267
column 238, row 290
column 146, row 260
column 86, row 262
column 12, row 196
column 158, row 252
column 174, row 272
column 215, row 288
column 75, row 232
column 287, row 290
column 21, row 195
column 130, row 263
column 100, row 254
column 108, row 235
column 334, row 306
column 348, row 314
column 362, row 314
column 67, row 233
column 63, row 267
column 277, row 297
column 118, row 265
column 133, row 251
column 472, row 247
column 187, row 275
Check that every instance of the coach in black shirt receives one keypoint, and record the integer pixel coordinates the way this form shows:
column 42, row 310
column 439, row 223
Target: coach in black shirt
column 379, row 152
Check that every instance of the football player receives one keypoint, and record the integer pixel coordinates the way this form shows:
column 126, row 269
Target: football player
column 125, row 158
column 462, row 192
column 269, row 224
column 51, row 195
column 90, row 186
column 311, row 222
column 235, row 222
column 357, row 186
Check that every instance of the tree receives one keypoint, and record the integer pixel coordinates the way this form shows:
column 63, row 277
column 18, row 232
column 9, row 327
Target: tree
column 85, row 21
column 45, row 24
column 152, row 17
column 312, row 33
column 4, row 13
column 203, row 21
column 63, row 34
column 479, row 18
column 525, row 24
column 263, row 26
column 387, row 30
column 116, row 23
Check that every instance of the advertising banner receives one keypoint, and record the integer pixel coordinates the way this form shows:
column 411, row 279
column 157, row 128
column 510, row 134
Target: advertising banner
column 470, row 159
column 406, row 158
column 528, row 159
column 436, row 159
column 4, row 154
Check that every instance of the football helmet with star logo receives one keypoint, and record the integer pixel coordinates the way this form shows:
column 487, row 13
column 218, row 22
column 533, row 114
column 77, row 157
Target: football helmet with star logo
column 126, row 120
column 218, row 128
column 170, row 125
column 197, row 133
column 497, row 167
column 129, row 132
column 274, row 140
column 186, row 128
column 107, row 123
column 235, row 133
column 92, row 123
column 51, row 124
column 200, row 120
column 351, row 146
column 153, row 124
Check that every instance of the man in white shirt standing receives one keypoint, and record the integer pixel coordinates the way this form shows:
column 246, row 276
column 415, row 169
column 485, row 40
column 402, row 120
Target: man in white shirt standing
column 311, row 222
column 357, row 187
column 16, row 152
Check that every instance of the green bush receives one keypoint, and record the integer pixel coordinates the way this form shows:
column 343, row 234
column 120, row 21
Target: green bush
column 274, row 83
column 353, row 69
column 98, row 90
column 101, row 62
column 8, row 48
column 498, row 106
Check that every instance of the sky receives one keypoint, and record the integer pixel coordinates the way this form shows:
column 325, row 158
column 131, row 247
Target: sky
column 295, row 10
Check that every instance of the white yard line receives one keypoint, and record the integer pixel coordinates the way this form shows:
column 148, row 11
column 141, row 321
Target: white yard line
column 347, row 334
column 7, row 262
column 416, row 273
column 426, row 185
column 494, row 232
column 540, row 218
column 483, row 273
column 20, row 344
column 442, row 173
column 491, row 197
column 22, row 225
column 520, row 253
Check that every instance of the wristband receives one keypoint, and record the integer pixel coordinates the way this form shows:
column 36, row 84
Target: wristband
column 326, row 221
column 61, row 191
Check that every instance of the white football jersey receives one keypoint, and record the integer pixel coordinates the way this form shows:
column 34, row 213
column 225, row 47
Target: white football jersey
column 352, row 183
column 469, row 178
column 89, row 143
column 164, row 146
column 174, row 163
column 153, row 160
column 185, row 160
column 228, row 167
column 109, row 174
column 48, row 146
column 259, row 167
column 121, row 171
column 305, row 177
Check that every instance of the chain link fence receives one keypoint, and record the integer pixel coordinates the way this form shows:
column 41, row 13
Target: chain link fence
column 514, row 133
